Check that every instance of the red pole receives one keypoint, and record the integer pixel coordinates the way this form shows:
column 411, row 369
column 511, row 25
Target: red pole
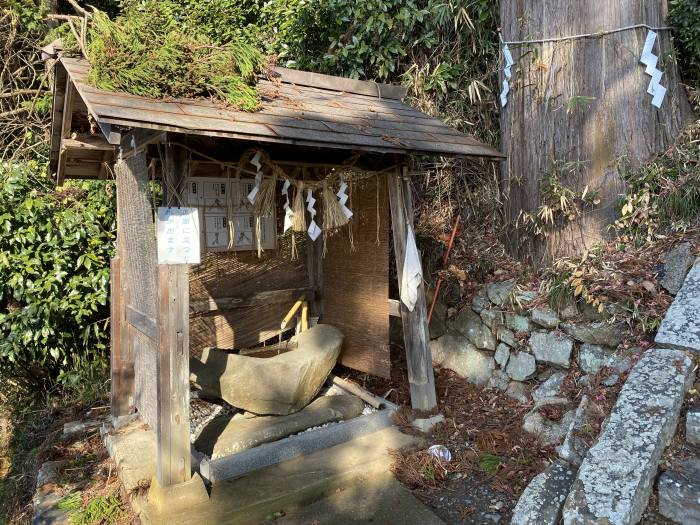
column 444, row 263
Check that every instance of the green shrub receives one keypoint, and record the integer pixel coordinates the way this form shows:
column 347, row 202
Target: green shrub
column 55, row 247
column 381, row 39
column 684, row 15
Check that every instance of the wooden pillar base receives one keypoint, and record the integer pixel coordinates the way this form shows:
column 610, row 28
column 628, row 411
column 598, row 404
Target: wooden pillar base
column 177, row 498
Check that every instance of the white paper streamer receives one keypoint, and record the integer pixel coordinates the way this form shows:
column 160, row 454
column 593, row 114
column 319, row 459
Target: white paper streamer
column 507, row 74
column 288, row 213
column 314, row 231
column 343, row 198
column 255, row 161
column 650, row 60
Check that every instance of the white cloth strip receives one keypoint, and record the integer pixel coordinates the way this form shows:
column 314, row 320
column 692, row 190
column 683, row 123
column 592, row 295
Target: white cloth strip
column 412, row 275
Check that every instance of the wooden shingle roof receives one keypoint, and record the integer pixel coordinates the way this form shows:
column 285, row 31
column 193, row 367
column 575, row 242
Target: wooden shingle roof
column 297, row 108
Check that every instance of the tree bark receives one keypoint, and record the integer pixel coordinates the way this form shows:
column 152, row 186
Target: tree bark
column 582, row 102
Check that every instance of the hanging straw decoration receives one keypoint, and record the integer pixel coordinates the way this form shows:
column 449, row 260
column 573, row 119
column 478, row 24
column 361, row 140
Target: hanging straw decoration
column 299, row 221
column 264, row 204
column 333, row 215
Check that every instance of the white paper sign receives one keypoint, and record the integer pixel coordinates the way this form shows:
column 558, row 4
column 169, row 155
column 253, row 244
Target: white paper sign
column 178, row 236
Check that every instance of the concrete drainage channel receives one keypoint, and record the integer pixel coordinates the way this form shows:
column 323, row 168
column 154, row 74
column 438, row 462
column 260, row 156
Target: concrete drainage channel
column 269, row 454
column 218, row 465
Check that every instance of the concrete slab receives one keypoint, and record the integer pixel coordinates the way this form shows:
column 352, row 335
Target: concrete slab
column 614, row 482
column 177, row 498
column 289, row 486
column 681, row 326
column 379, row 500
column 133, row 449
column 268, row 454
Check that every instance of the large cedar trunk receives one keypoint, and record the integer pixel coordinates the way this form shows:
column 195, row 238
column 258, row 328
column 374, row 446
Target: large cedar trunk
column 581, row 101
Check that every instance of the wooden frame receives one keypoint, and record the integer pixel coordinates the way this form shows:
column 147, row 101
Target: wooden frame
column 174, row 462
column 415, row 324
column 121, row 361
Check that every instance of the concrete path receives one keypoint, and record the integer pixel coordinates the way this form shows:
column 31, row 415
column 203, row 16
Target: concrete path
column 380, row 500
column 292, row 486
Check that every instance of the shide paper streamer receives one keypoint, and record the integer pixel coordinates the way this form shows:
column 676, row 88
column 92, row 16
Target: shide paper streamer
column 507, row 74
column 255, row 161
column 649, row 59
column 314, row 231
column 288, row 213
column 343, row 198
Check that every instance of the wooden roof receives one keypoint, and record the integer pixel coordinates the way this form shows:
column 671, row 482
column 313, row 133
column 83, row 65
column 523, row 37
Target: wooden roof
column 297, row 108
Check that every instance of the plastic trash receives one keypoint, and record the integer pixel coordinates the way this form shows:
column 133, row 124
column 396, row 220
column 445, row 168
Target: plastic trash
column 440, row 452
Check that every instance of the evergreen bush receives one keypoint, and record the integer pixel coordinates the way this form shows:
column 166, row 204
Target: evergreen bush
column 55, row 247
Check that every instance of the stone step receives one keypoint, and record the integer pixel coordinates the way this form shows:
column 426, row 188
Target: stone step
column 679, row 492
column 380, row 500
column 613, row 484
column 290, row 486
column 681, row 327
column 542, row 500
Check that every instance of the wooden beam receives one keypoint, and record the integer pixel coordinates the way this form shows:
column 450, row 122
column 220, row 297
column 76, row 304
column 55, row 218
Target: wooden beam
column 348, row 85
column 59, row 90
column 67, row 119
column 142, row 322
column 61, row 169
column 112, row 136
column 95, row 143
column 122, row 363
column 174, row 464
column 66, row 123
column 415, row 323
column 213, row 304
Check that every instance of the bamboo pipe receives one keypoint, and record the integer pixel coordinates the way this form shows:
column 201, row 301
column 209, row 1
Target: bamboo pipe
column 292, row 312
column 367, row 397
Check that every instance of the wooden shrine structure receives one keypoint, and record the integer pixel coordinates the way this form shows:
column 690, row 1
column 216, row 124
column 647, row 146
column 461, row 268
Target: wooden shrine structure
column 178, row 152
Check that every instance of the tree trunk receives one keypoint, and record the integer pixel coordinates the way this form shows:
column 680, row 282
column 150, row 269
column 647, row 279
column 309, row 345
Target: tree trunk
column 577, row 108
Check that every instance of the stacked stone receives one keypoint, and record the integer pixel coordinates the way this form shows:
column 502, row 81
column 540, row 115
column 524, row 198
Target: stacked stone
column 500, row 343
column 611, row 482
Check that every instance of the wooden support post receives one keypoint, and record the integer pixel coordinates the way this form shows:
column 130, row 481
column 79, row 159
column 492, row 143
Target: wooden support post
column 173, row 405
column 415, row 323
column 173, row 391
column 122, row 362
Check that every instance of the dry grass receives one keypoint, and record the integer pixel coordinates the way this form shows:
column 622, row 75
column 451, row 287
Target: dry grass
column 482, row 429
column 89, row 470
column 30, row 434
